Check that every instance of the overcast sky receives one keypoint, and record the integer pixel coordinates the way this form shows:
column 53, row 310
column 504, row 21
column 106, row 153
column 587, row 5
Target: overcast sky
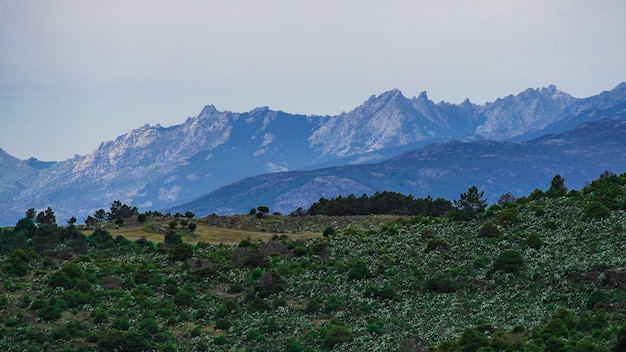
column 77, row 73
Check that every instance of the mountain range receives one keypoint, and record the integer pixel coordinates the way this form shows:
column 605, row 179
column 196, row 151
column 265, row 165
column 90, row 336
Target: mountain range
column 226, row 162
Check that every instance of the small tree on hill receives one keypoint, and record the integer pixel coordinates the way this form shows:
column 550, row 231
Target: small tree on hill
column 557, row 187
column 471, row 202
column 46, row 217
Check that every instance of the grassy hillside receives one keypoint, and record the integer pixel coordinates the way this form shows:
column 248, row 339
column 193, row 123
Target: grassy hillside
column 546, row 273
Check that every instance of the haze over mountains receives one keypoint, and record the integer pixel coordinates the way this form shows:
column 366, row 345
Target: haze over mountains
column 495, row 147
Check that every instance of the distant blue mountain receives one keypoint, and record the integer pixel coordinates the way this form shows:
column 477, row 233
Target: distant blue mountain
column 439, row 170
column 154, row 167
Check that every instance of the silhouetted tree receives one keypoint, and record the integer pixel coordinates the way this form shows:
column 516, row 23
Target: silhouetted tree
column 471, row 202
column 120, row 212
column 46, row 217
column 557, row 187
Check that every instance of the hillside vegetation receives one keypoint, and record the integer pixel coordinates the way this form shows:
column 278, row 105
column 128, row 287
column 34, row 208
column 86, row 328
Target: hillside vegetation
column 546, row 272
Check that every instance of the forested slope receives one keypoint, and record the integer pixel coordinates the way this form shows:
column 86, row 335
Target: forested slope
column 546, row 272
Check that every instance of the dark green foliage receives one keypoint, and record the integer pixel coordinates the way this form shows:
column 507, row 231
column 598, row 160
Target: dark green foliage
column 52, row 310
column 333, row 303
column 328, row 231
column 550, row 224
column 471, row 203
column 620, row 345
column 358, row 270
column 557, row 187
column 440, row 283
column 313, row 305
column 489, row 229
column 293, row 346
column 101, row 238
column 508, row 217
column 46, row 217
column 100, row 316
column 18, row 262
column 436, row 243
column 172, row 237
column 113, row 340
column 376, row 326
column 510, row 261
column 335, row 335
column 472, row 340
column 148, row 326
column 595, row 210
column 119, row 212
column 380, row 203
column 26, row 226
column 384, row 292
column 254, row 335
column 533, row 240
column 181, row 252
column 608, row 189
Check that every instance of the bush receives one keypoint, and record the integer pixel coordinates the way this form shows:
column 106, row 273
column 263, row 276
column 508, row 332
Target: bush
column 533, row 240
column 358, row 270
column 595, row 210
column 510, row 261
column 335, row 335
column 100, row 316
column 440, row 283
column 220, row 340
column 376, row 326
column 472, row 340
column 328, row 231
column 181, row 252
column 436, row 243
column 489, row 229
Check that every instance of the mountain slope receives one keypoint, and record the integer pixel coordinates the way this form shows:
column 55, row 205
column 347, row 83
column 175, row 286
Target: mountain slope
column 439, row 170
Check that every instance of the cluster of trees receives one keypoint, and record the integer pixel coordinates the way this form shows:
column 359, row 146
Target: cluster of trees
column 119, row 213
column 379, row 203
column 607, row 193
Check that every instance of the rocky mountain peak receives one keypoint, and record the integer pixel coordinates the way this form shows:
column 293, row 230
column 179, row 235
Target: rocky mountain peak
column 153, row 166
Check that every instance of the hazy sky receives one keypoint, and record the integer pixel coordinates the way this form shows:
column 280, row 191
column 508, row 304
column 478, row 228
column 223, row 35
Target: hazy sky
column 76, row 73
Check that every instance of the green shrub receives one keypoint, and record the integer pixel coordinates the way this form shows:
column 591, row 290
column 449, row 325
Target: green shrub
column 595, row 210
column 358, row 270
column 440, row 283
column 254, row 335
column 550, row 225
column 333, row 303
column 436, row 243
column 472, row 340
column 220, row 340
column 508, row 217
column 335, row 335
column 427, row 233
column 510, row 261
column 328, row 231
column 293, row 345
column 313, row 305
column 181, row 252
column 222, row 324
column 376, row 326
column 533, row 240
column 100, row 316
column 489, row 229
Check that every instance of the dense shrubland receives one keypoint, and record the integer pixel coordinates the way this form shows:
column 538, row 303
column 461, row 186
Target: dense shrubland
column 546, row 272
